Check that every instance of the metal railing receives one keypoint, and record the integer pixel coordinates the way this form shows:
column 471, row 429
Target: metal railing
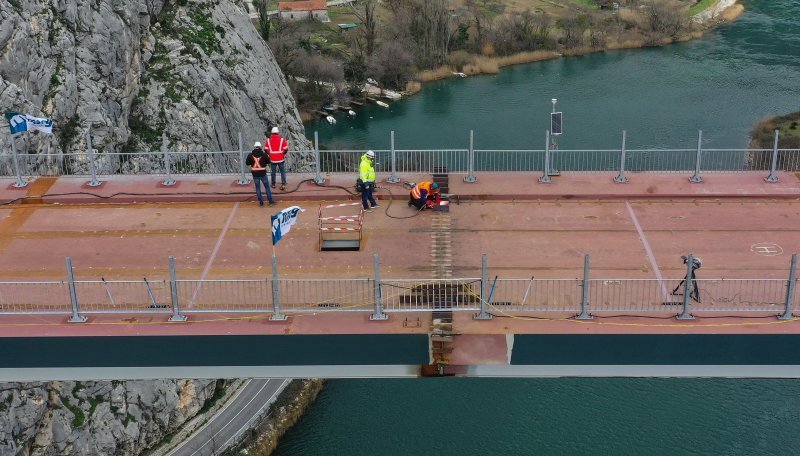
column 580, row 296
column 457, row 161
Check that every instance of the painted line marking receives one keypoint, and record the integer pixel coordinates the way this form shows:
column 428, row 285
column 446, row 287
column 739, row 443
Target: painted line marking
column 244, row 407
column 648, row 250
column 213, row 255
column 260, row 411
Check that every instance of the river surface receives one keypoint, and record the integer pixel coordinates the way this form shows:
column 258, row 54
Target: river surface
column 722, row 84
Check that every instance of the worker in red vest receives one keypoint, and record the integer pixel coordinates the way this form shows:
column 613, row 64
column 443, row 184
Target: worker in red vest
column 277, row 148
column 424, row 194
column 257, row 161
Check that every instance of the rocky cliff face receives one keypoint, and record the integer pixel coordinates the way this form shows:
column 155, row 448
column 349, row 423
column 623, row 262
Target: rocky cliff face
column 95, row 418
column 131, row 70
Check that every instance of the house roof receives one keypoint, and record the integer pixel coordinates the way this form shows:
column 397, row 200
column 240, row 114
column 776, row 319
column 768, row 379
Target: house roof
column 306, row 5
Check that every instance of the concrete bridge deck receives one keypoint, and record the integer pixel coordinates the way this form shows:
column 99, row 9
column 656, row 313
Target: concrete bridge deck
column 214, row 229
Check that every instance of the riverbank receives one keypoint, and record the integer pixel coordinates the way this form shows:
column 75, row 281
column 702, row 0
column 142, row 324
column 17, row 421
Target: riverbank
column 715, row 15
column 788, row 126
column 263, row 438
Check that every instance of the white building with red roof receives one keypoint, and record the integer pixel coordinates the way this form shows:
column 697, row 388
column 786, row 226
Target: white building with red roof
column 305, row 9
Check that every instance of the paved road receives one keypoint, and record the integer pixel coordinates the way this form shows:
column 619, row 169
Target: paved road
column 233, row 419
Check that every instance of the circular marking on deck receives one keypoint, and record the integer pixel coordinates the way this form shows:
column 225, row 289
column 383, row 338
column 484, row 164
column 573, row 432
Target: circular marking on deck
column 766, row 249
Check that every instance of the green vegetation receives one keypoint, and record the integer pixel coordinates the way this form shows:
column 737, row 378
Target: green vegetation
column 700, row 6
column 7, row 403
column 17, row 6
column 128, row 418
column 142, row 130
column 68, row 133
column 94, row 402
column 587, row 3
column 55, row 82
column 219, row 392
column 78, row 418
column 788, row 127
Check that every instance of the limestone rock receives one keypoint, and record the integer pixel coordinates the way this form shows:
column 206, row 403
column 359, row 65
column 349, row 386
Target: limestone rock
column 74, row 418
column 132, row 70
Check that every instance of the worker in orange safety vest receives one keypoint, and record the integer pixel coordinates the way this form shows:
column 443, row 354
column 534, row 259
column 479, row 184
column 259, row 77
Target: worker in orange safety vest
column 424, row 194
column 277, row 147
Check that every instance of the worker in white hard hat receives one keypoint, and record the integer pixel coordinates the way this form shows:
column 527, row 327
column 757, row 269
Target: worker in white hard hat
column 277, row 147
column 366, row 177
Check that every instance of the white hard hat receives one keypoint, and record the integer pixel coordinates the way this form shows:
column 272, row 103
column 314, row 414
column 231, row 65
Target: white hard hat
column 370, row 154
column 257, row 144
column 275, row 130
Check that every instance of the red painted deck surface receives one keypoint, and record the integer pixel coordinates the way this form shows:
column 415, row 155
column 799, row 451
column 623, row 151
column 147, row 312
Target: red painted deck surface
column 635, row 230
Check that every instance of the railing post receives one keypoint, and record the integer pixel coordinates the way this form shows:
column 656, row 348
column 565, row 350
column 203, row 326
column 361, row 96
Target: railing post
column 90, row 152
column 471, row 160
column 168, row 181
column 242, row 177
column 393, row 179
column 19, row 183
column 73, row 296
column 696, row 179
column 483, row 314
column 318, row 179
column 621, row 179
column 585, row 315
column 787, row 313
column 773, row 168
column 545, row 179
column 173, row 290
column 378, row 315
column 687, row 289
column 276, row 293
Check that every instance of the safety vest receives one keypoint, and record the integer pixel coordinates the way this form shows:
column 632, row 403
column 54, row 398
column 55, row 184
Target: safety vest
column 366, row 170
column 416, row 192
column 277, row 148
column 257, row 166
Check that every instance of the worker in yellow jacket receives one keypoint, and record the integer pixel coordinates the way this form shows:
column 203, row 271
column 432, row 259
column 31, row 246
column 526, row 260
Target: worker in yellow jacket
column 367, row 176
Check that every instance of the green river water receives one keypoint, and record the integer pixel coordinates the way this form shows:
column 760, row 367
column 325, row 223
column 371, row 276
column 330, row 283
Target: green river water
column 722, row 84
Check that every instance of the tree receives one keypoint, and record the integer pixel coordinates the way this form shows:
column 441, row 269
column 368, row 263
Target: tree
column 263, row 19
column 369, row 20
column 665, row 19
column 391, row 65
column 355, row 73
column 431, row 30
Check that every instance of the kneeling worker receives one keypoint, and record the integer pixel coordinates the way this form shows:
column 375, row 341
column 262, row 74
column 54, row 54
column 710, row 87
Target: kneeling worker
column 424, row 194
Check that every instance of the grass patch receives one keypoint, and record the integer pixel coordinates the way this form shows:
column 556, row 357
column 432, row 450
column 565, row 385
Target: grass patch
column 701, row 6
column 586, row 3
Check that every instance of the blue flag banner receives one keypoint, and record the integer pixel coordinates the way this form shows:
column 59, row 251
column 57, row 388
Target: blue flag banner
column 20, row 123
column 282, row 222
